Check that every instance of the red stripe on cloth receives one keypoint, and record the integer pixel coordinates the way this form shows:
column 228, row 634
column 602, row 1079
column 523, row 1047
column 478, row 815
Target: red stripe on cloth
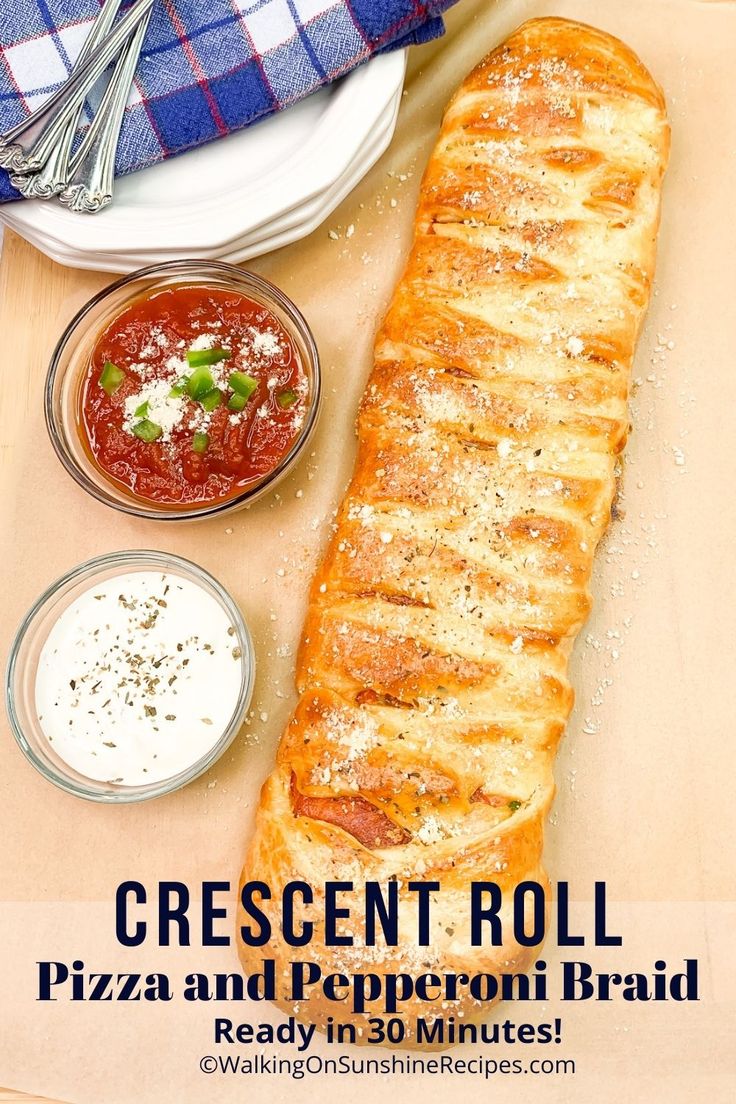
column 356, row 23
column 400, row 25
column 3, row 55
column 420, row 11
column 146, row 103
column 199, row 73
column 13, row 81
column 256, row 57
column 46, row 33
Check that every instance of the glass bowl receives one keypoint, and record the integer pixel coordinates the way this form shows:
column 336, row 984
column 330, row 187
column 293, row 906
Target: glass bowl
column 73, row 352
column 20, row 680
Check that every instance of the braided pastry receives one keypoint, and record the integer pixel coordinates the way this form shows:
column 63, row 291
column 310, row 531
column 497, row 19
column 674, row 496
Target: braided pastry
column 433, row 667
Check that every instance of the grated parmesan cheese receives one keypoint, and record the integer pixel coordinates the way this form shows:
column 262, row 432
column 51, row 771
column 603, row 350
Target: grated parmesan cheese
column 162, row 408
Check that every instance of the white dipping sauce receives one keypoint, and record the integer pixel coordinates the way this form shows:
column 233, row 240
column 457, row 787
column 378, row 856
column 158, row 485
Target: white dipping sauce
column 139, row 678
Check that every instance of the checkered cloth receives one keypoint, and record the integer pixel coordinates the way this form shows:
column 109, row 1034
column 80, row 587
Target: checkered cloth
column 208, row 66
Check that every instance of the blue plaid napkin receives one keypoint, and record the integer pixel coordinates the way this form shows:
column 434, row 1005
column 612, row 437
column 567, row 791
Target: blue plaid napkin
column 208, row 66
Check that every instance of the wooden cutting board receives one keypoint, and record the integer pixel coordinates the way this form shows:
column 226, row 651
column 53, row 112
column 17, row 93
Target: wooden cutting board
column 7, row 1096
column 34, row 288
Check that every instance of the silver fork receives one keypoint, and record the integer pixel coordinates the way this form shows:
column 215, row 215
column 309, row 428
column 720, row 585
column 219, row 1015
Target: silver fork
column 52, row 175
column 91, row 173
column 26, row 146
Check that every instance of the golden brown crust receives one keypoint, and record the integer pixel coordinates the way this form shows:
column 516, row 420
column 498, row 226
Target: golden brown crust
column 432, row 671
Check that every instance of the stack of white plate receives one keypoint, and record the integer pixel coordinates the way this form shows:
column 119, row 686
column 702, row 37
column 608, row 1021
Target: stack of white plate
column 236, row 198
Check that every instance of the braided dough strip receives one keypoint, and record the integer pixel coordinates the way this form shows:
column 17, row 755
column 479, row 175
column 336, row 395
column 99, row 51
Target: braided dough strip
column 432, row 671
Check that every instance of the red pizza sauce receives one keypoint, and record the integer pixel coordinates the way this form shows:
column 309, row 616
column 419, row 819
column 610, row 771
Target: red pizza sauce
column 193, row 394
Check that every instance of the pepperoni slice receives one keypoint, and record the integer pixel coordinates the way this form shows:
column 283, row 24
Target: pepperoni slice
column 371, row 697
column 494, row 800
column 353, row 814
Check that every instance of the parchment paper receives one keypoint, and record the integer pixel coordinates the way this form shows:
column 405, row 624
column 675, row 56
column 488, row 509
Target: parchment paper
column 645, row 775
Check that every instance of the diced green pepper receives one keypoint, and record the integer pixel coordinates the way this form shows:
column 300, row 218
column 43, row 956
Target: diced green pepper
column 287, row 398
column 514, row 805
column 242, row 384
column 196, row 358
column 111, row 377
column 237, row 402
column 212, row 399
column 200, row 442
column 200, row 382
column 147, row 430
column 142, row 410
column 179, row 388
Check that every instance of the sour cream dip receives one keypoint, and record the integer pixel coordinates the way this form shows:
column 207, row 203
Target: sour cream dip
column 139, row 678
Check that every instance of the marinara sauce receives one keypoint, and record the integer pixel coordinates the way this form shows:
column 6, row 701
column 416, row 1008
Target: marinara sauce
column 193, row 394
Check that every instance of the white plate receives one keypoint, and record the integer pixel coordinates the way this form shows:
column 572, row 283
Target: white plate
column 296, row 224
column 293, row 224
column 212, row 197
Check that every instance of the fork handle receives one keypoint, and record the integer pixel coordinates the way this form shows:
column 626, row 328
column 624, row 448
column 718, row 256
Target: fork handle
column 51, row 177
column 26, row 146
column 92, row 169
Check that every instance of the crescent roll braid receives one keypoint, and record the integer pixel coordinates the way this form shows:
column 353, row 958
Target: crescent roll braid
column 433, row 668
